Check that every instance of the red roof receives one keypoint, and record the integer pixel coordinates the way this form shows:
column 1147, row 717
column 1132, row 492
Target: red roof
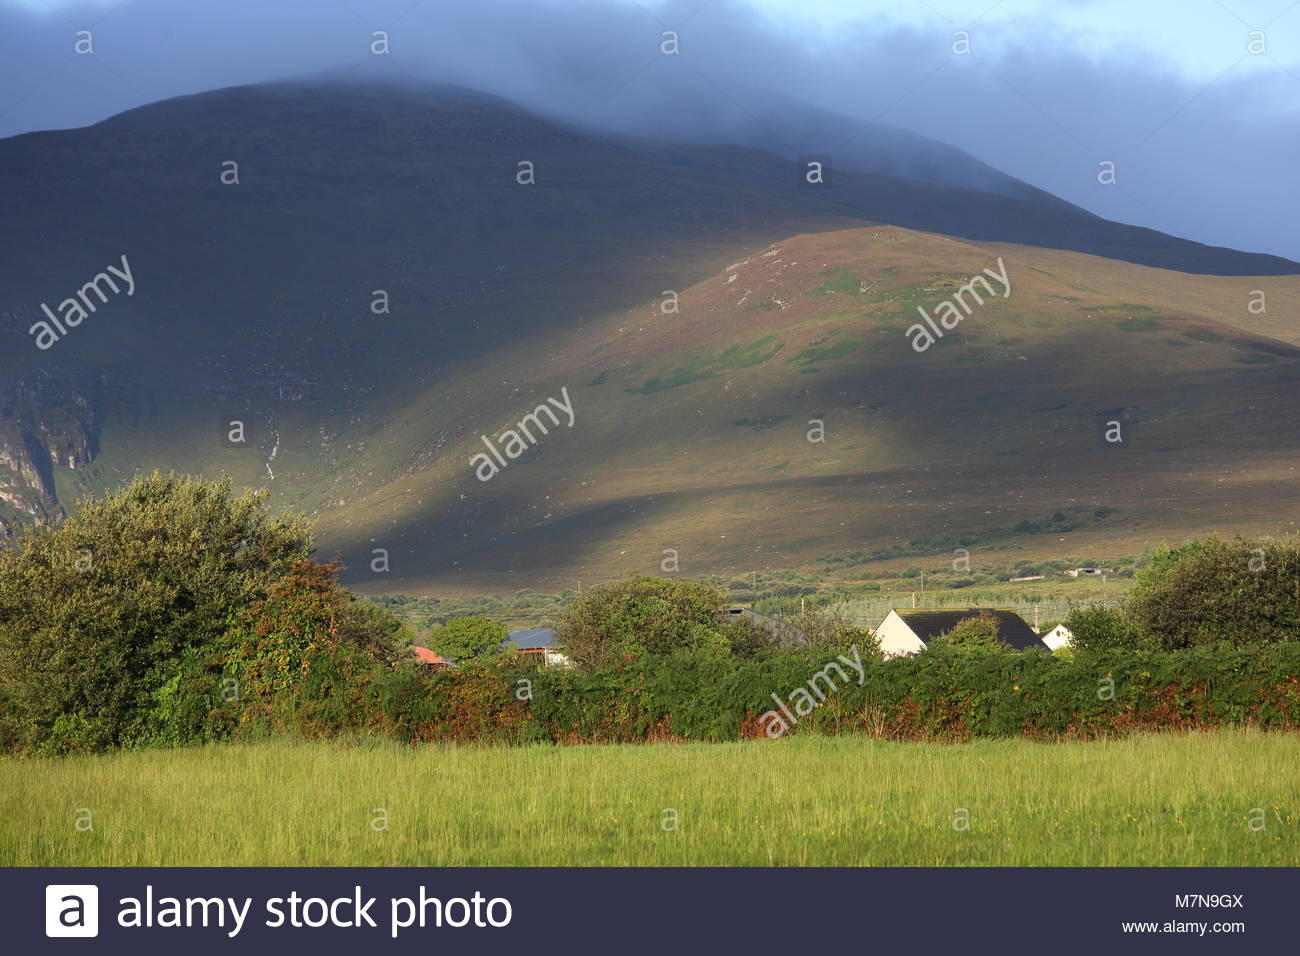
column 426, row 656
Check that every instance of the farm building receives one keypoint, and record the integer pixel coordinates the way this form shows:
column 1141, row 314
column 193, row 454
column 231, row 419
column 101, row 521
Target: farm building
column 784, row 629
column 908, row 631
column 1058, row 636
column 539, row 642
column 737, row 612
column 428, row 657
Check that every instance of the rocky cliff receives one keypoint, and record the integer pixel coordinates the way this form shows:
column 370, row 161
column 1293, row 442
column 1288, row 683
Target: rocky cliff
column 46, row 421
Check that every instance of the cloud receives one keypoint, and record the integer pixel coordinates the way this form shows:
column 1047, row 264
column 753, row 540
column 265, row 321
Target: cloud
column 1205, row 153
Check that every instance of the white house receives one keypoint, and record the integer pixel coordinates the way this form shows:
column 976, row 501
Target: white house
column 1058, row 636
column 539, row 642
column 909, row 631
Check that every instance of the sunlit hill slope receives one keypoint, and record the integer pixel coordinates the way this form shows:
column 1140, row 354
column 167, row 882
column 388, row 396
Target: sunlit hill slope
column 699, row 311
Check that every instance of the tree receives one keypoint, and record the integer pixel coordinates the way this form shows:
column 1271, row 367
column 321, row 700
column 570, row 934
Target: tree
column 98, row 615
column 1097, row 628
column 971, row 635
column 1242, row 592
column 826, row 629
column 305, row 658
column 647, row 615
column 464, row 639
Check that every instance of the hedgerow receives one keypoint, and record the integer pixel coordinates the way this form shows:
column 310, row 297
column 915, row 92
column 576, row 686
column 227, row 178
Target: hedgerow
column 681, row 697
column 174, row 612
column 928, row 697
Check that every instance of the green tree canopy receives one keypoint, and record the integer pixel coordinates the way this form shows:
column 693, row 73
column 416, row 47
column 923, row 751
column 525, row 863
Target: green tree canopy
column 971, row 635
column 465, row 639
column 304, row 659
column 97, row 613
column 827, row 629
column 1243, row 592
column 648, row 615
column 1096, row 628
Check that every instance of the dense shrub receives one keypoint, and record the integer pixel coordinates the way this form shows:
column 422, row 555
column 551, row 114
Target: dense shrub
column 1098, row 628
column 644, row 615
column 1243, row 592
column 930, row 696
column 103, row 616
column 172, row 612
column 825, row 629
column 308, row 658
column 971, row 635
column 464, row 639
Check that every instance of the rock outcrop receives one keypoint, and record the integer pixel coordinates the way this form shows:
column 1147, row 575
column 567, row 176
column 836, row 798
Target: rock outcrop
column 46, row 421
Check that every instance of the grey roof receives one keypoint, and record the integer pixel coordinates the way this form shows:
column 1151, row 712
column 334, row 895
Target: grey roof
column 1012, row 628
column 738, row 612
column 533, row 637
column 783, row 627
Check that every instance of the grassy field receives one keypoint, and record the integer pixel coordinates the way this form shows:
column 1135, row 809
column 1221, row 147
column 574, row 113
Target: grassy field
column 1143, row 801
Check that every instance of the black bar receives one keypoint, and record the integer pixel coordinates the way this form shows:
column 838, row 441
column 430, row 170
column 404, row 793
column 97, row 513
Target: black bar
column 677, row 911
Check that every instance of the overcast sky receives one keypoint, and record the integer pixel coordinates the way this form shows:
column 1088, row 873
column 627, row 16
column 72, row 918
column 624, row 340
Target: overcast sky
column 1205, row 133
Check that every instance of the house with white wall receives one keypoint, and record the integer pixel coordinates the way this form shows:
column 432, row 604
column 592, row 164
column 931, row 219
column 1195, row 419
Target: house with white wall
column 539, row 642
column 1057, row 637
column 909, row 630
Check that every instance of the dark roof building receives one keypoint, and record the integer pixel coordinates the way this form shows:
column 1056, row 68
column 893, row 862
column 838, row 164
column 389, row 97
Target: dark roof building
column 533, row 638
column 539, row 642
column 906, row 631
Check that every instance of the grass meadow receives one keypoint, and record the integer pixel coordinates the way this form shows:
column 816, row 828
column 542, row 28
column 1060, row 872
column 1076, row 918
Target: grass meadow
column 1215, row 798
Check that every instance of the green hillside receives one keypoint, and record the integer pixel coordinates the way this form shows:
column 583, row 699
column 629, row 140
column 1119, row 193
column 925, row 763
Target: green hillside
column 690, row 427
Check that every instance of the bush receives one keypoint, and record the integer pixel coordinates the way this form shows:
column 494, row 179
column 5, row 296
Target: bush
column 308, row 658
column 825, row 629
column 173, row 612
column 971, row 635
column 927, row 697
column 1098, row 628
column 641, row 616
column 1242, row 592
column 464, row 639
column 104, row 617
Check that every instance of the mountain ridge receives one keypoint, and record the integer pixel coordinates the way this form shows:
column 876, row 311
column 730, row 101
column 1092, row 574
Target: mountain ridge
column 257, row 301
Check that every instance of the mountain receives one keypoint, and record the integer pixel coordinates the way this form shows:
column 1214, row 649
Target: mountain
column 672, row 106
column 261, row 302
column 692, row 429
